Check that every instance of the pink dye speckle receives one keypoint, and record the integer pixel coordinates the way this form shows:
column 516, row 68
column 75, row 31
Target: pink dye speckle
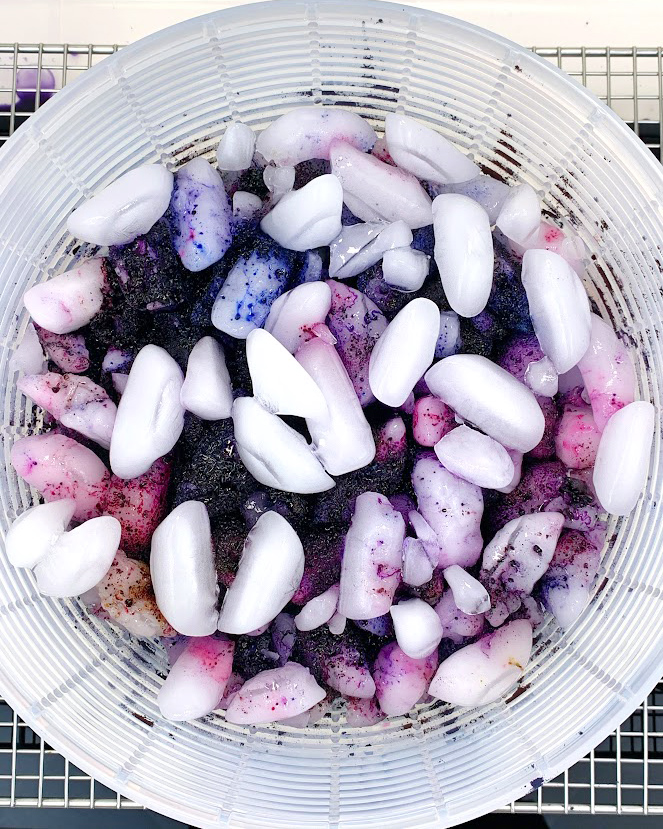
column 577, row 438
column 431, row 420
column 552, row 235
column 59, row 467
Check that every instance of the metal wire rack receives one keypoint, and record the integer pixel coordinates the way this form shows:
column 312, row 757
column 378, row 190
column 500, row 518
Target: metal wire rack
column 624, row 775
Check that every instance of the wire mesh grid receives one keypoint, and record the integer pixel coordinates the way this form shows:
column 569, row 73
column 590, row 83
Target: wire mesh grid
column 31, row 73
column 624, row 775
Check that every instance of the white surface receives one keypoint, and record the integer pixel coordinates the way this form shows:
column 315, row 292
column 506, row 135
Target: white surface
column 530, row 22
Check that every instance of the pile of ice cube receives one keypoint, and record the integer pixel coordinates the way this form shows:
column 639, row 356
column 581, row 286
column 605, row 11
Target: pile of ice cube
column 401, row 320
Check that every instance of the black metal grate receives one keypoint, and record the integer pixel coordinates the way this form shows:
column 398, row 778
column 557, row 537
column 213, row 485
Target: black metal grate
column 31, row 73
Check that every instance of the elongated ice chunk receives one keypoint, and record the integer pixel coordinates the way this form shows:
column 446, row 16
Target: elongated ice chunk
column 405, row 268
column 375, row 191
column 426, row 535
column 295, row 313
column 201, row 215
column 307, row 218
column 80, row 558
column 558, row 306
column 516, row 558
column 475, row 457
column 245, row 205
column 312, row 267
column 279, row 181
column 117, row 359
column 622, row 460
column 424, row 152
column 565, row 586
column 29, row 355
column 356, row 323
column 520, row 215
column 150, row 416
column 520, row 552
column 75, row 401
column 68, row 301
column 270, row 569
column 198, row 679
column 280, row 383
column 361, row 713
column 59, row 467
column 391, row 440
column 418, row 628
column 541, row 377
column 417, row 567
column 481, row 672
column 469, row 594
column 67, row 351
column 404, row 351
column 139, row 504
column 126, row 595
column 359, row 246
column 337, row 625
column 183, row 571
column 342, row 437
column 275, row 695
column 207, row 391
column 453, row 509
column 371, row 565
column 449, row 340
column 319, row 610
column 463, row 252
column 564, row 242
column 607, row 372
column 400, row 680
column 273, row 452
column 308, row 132
column 35, row 531
column 236, row 147
column 577, row 438
column 343, row 673
column 249, row 290
column 125, row 209
column 490, row 398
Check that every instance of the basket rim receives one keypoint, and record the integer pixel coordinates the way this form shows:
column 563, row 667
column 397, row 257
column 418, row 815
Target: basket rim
column 227, row 18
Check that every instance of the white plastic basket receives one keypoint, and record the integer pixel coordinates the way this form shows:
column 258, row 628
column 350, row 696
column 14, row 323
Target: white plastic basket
column 90, row 690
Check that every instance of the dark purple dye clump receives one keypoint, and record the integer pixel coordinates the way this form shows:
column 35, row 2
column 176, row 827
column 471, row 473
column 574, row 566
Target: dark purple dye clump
column 149, row 272
column 208, row 468
column 315, row 648
column 540, row 483
column 337, row 505
column 388, row 299
column 508, row 300
column 306, row 171
column 323, row 550
column 254, row 654
column 228, row 535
